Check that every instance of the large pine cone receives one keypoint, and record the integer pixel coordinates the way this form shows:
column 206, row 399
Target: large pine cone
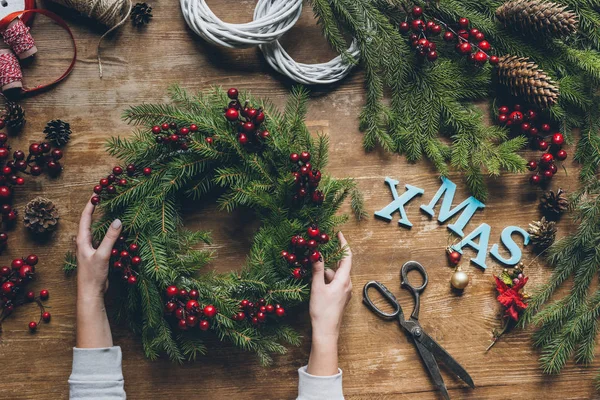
column 40, row 215
column 540, row 16
column 524, row 78
column 542, row 234
column 553, row 205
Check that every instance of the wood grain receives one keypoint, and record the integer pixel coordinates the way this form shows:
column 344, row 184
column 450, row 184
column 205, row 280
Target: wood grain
column 377, row 359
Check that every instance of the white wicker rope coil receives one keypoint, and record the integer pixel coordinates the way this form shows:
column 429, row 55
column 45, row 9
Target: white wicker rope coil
column 272, row 18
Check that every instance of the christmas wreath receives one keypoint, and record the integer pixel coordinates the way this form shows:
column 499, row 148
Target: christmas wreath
column 244, row 155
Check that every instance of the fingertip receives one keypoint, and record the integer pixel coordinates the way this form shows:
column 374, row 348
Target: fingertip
column 116, row 224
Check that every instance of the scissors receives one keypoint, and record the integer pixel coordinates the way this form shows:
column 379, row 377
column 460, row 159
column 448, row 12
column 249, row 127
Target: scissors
column 429, row 349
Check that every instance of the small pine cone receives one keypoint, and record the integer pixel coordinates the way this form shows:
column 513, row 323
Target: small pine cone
column 141, row 14
column 58, row 132
column 542, row 233
column 553, row 205
column 538, row 16
column 14, row 117
column 41, row 215
column 524, row 78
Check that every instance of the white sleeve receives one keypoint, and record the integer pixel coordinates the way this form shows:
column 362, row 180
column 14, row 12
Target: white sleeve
column 311, row 387
column 97, row 374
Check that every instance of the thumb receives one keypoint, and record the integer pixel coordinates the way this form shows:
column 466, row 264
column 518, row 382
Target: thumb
column 110, row 238
column 318, row 274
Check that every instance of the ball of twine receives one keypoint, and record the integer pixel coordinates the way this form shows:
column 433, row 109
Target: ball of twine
column 112, row 13
column 272, row 19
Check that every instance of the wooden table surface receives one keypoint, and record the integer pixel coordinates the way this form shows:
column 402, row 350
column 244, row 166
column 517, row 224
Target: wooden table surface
column 378, row 360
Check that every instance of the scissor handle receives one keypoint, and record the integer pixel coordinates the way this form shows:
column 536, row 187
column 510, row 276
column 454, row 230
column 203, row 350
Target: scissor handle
column 416, row 291
column 380, row 287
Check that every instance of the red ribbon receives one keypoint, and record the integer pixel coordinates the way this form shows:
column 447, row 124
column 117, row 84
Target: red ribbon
column 8, row 19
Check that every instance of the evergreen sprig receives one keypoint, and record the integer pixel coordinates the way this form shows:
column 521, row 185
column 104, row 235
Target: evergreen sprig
column 260, row 181
column 430, row 114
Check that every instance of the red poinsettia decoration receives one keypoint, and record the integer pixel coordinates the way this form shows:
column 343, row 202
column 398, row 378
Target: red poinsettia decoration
column 511, row 298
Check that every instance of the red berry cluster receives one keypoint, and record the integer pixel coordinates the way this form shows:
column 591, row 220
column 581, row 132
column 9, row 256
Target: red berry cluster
column 109, row 184
column 305, row 250
column 257, row 312
column 306, row 178
column 13, row 281
column 41, row 156
column 470, row 42
column 526, row 122
column 123, row 257
column 187, row 310
column 170, row 134
column 248, row 120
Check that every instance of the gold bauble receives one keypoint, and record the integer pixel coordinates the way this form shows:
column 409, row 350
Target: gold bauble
column 459, row 279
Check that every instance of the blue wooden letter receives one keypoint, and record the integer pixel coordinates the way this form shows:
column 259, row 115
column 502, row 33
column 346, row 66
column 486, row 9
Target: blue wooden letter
column 511, row 246
column 483, row 231
column 399, row 202
column 470, row 206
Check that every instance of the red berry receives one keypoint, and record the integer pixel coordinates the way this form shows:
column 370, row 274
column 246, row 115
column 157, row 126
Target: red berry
column 192, row 306
column 547, row 158
column 95, row 200
column 25, row 271
column 553, row 168
column 315, row 256
column 480, row 57
column 30, row 296
column 4, row 271
column 170, row 307
column 548, row 174
column 124, row 254
column 44, row 294
column 561, row 155
column 122, row 182
column 312, row 244
column 494, row 60
column 463, row 23
column 165, row 126
column 117, row 265
column 516, row 116
column 558, row 139
column 191, row 320
column 136, row 260
column 209, row 140
column 449, row 36
column 502, row 118
column 297, row 273
column 242, row 138
column 194, row 128
column 284, row 254
column 244, row 303
column 280, row 311
column 240, row 316
column 147, row 171
column 184, row 131
column 232, row 93
column 532, row 165
column 132, row 280
column 464, row 48
column 46, row 316
column 182, row 325
column 417, row 25
column 436, row 29
column 35, row 149
column 172, row 291
column 542, row 145
column 417, row 11
column 432, row 55
column 533, row 131
column 291, row 258
column 194, row 294
column 210, row 311
column 179, row 313
column 270, row 308
column 404, row 27
column 232, row 114
column 248, row 127
column 525, row 126
column 7, row 288
column 313, row 231
column 17, row 263
column 33, row 326
column 261, row 316
column 535, row 179
column 264, row 134
column 479, row 36
column 204, row 325
column 156, row 129
column 545, row 127
column 183, row 293
column 503, row 110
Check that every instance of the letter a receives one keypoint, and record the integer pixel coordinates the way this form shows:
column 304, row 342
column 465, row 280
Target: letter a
column 470, row 206
column 483, row 231
column 399, row 202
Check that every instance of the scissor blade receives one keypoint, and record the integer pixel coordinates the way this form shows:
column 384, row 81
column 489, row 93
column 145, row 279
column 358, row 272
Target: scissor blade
column 443, row 356
column 433, row 368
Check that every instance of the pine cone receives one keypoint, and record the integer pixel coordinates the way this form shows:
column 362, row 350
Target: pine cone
column 141, row 14
column 553, row 205
column 14, row 117
column 524, row 78
column 58, row 132
column 40, row 215
column 542, row 233
column 532, row 16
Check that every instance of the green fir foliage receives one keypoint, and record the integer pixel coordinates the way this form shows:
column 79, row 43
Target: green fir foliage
column 430, row 113
column 260, row 181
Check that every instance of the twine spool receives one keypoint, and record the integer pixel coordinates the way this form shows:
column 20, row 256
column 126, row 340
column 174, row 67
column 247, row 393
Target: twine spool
column 111, row 13
column 11, row 76
column 17, row 37
column 272, row 18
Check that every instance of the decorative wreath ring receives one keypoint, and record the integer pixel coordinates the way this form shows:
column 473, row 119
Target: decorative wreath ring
column 246, row 155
